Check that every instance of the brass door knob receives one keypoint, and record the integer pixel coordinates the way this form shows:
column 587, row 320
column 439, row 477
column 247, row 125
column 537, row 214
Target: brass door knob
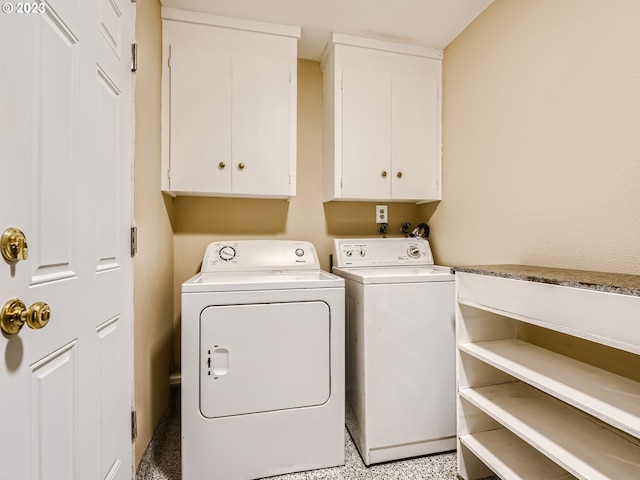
column 38, row 315
column 13, row 245
column 15, row 314
column 384, row 174
column 399, row 174
column 221, row 165
column 241, row 166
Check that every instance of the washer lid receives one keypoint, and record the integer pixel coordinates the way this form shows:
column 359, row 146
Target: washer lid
column 262, row 280
column 397, row 274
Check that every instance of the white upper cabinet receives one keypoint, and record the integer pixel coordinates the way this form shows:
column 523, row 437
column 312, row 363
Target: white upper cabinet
column 382, row 125
column 229, row 106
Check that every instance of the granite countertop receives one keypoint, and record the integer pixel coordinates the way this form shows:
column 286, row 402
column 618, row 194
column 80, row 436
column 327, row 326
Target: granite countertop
column 602, row 281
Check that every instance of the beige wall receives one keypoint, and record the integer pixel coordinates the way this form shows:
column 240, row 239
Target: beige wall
column 199, row 220
column 542, row 137
column 153, row 265
column 542, row 145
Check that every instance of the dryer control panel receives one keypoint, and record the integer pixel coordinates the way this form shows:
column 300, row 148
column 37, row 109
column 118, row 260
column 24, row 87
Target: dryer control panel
column 382, row 252
column 259, row 255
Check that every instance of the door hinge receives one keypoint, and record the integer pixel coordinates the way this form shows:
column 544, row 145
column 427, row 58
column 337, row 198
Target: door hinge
column 134, row 425
column 134, row 57
column 134, row 241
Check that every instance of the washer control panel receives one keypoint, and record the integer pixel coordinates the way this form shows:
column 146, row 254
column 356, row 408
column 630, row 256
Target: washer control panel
column 259, row 255
column 372, row 252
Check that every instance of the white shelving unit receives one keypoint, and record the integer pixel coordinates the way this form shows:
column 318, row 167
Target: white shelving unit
column 525, row 411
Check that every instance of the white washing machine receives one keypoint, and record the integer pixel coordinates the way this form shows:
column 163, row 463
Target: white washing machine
column 262, row 362
column 400, row 359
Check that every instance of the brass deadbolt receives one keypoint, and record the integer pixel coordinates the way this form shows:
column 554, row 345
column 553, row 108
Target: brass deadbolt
column 13, row 245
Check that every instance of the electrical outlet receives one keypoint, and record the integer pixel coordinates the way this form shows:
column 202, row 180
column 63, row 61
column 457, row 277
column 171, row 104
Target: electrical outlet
column 381, row 214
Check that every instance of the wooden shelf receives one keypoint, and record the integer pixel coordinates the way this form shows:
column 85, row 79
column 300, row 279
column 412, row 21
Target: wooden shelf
column 609, row 397
column 570, row 439
column 511, row 458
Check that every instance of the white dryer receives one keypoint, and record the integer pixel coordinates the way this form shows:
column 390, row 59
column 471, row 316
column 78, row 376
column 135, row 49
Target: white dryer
column 400, row 312
column 262, row 362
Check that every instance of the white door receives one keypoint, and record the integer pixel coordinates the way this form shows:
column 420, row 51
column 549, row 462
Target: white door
column 414, row 120
column 366, row 134
column 65, row 158
column 262, row 126
column 200, row 120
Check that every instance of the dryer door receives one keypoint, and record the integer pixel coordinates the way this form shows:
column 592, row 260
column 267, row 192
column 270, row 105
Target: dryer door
column 263, row 357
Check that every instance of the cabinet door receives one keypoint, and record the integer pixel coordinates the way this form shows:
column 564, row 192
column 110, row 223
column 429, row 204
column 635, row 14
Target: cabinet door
column 262, row 127
column 200, row 136
column 414, row 142
column 366, row 134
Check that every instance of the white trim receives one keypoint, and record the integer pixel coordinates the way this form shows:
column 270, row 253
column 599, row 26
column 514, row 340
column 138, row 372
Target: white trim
column 416, row 50
column 228, row 22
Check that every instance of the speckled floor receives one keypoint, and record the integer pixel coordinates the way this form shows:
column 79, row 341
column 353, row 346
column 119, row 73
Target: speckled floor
column 162, row 461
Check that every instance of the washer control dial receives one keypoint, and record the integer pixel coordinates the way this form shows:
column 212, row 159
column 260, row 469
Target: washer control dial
column 413, row 251
column 227, row 253
column 299, row 252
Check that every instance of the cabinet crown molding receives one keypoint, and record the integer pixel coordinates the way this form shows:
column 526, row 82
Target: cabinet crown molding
column 383, row 45
column 199, row 18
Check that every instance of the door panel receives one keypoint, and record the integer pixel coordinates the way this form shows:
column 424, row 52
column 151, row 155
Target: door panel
column 111, row 25
column 55, row 153
column 54, row 412
column 109, row 135
column 112, row 396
